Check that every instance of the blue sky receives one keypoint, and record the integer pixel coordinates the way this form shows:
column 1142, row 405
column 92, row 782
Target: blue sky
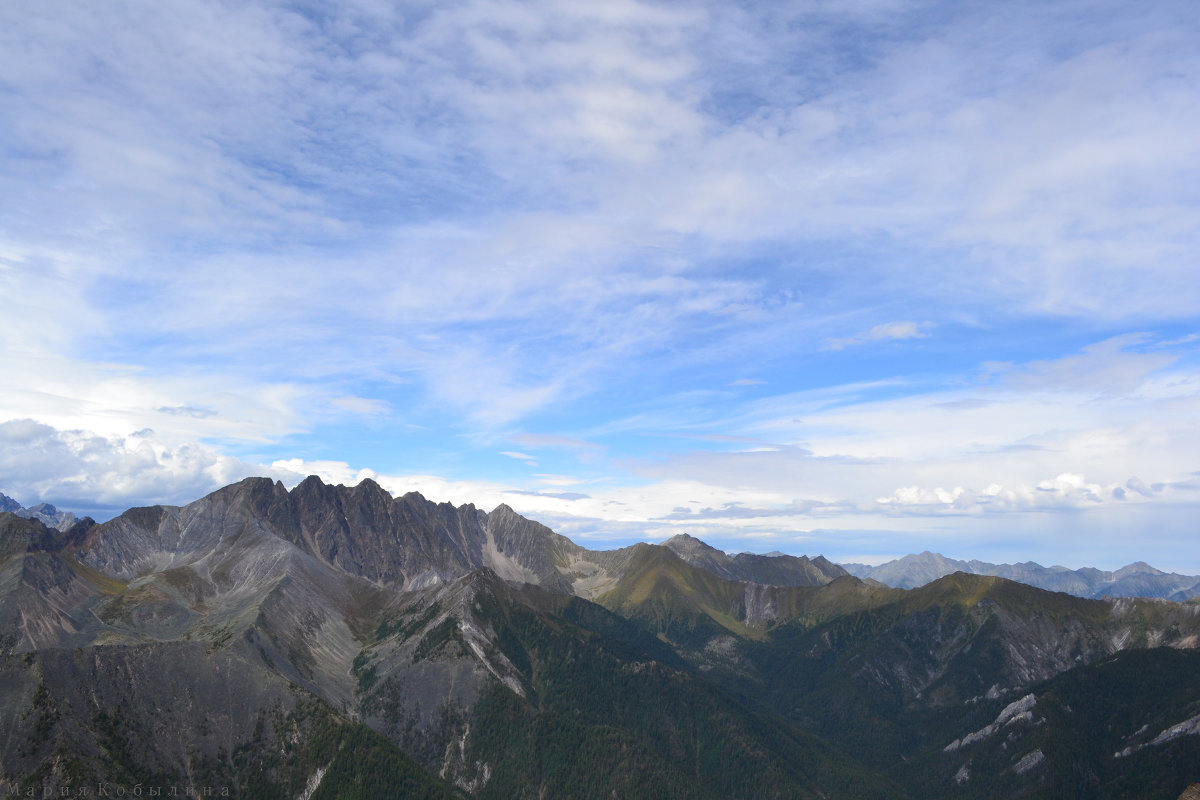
column 855, row 278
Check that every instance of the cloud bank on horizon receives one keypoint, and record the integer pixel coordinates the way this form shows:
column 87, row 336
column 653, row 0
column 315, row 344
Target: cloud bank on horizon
column 852, row 278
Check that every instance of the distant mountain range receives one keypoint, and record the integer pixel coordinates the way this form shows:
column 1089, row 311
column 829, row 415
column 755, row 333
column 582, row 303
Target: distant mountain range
column 1135, row 580
column 338, row 642
column 44, row 513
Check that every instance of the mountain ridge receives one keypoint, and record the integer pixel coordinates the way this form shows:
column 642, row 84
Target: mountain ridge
column 45, row 513
column 468, row 641
column 1138, row 579
column 572, row 567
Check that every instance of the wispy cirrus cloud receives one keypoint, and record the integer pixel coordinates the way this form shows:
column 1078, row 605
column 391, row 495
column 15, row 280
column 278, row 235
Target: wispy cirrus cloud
column 403, row 239
column 883, row 332
column 553, row 440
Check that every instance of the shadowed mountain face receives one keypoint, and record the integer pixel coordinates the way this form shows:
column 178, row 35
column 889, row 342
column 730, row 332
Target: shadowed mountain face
column 334, row 641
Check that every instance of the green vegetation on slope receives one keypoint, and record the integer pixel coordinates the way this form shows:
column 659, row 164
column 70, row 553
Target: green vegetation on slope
column 605, row 716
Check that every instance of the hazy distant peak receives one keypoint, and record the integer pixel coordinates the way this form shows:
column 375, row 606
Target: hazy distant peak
column 1137, row 568
column 1135, row 580
column 44, row 513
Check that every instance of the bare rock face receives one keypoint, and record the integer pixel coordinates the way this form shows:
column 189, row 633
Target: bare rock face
column 402, row 542
column 435, row 653
column 44, row 513
column 521, row 550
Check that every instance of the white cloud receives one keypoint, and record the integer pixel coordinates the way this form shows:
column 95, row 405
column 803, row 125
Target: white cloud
column 553, row 440
column 87, row 472
column 115, row 399
column 528, row 459
column 481, row 217
column 331, row 472
column 1068, row 491
column 557, row 480
column 991, row 448
column 1105, row 367
column 366, row 406
column 884, row 332
column 608, row 140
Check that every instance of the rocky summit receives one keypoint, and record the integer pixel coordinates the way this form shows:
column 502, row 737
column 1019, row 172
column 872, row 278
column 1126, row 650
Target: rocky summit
column 333, row 641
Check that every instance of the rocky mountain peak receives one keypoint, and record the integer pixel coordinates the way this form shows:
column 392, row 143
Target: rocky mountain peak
column 686, row 543
column 772, row 570
column 467, row 640
column 1136, row 568
column 8, row 504
column 43, row 512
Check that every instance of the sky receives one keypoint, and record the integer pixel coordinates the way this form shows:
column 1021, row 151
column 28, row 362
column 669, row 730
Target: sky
column 857, row 278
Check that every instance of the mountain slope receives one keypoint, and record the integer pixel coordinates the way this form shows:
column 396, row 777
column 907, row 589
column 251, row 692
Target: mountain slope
column 110, row 719
column 363, row 639
column 1105, row 730
column 550, row 695
column 372, row 605
column 774, row 570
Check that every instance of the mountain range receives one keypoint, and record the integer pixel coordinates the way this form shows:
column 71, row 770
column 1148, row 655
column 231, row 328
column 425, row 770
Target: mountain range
column 333, row 641
column 1135, row 580
column 43, row 512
